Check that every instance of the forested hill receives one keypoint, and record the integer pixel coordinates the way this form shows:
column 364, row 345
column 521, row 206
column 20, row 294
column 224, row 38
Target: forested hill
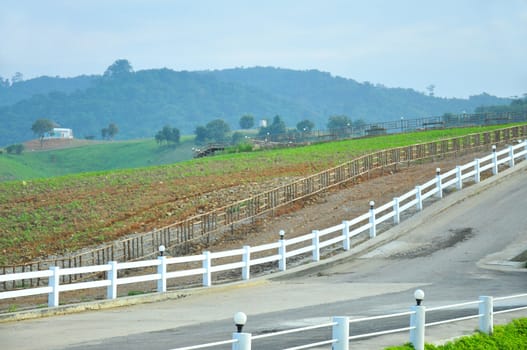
column 141, row 103
column 328, row 95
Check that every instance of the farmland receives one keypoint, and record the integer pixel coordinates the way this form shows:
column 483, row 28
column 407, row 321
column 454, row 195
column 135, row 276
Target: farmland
column 42, row 217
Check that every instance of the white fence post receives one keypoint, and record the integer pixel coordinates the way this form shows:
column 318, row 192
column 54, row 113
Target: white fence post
column 418, row 196
column 494, row 161
column 54, row 282
column 459, row 178
column 316, row 245
column 243, row 341
column 246, row 270
column 417, row 334
column 282, row 263
column 525, row 147
column 373, row 225
column 486, row 310
column 162, row 271
column 439, row 185
column 511, row 156
column 477, row 175
column 396, row 211
column 111, row 290
column 207, row 265
column 341, row 333
column 346, row 234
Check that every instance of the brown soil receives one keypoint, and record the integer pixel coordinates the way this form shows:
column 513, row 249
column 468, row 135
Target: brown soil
column 342, row 203
column 318, row 212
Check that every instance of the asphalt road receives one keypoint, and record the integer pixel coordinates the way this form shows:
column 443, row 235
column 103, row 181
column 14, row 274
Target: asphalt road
column 456, row 250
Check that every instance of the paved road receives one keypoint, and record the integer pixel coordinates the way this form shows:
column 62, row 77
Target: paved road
column 455, row 251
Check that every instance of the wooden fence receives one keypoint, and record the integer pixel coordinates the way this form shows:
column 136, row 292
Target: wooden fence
column 179, row 236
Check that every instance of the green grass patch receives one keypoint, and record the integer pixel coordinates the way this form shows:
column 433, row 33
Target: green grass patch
column 98, row 157
column 512, row 336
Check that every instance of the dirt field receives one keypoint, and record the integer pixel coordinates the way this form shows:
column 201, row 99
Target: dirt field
column 318, row 212
column 342, row 203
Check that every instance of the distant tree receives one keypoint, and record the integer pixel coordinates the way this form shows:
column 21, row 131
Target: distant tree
column 17, row 78
column 4, row 83
column 276, row 130
column 246, row 121
column 339, row 125
column 15, row 149
column 118, row 69
column 358, row 124
column 41, row 127
column 168, row 134
column 305, row 126
column 109, row 132
column 201, row 135
column 217, row 130
column 431, row 89
column 112, row 130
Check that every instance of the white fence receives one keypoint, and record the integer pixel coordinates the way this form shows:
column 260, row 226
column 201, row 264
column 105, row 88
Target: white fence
column 339, row 327
column 207, row 263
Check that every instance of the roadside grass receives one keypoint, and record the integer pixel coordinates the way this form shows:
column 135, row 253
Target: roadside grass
column 510, row 336
column 46, row 216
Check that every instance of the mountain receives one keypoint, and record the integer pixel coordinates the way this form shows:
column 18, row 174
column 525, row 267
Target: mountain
column 327, row 95
column 41, row 86
column 141, row 103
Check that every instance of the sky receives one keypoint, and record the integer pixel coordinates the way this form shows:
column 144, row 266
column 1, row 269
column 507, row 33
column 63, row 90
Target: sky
column 462, row 47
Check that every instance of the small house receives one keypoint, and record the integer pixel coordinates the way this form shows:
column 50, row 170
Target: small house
column 59, row 133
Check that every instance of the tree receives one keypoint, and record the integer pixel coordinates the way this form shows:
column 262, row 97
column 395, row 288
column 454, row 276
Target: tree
column 112, row 130
column 214, row 131
column 431, row 89
column 339, row 125
column 118, row 69
column 4, row 83
column 217, row 130
column 41, row 127
column 305, row 126
column 246, row 121
column 17, row 78
column 109, row 132
column 201, row 135
column 168, row 134
column 275, row 130
column 15, row 149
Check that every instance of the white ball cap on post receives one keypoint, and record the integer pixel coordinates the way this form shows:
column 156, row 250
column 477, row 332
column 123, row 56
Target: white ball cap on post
column 419, row 295
column 239, row 320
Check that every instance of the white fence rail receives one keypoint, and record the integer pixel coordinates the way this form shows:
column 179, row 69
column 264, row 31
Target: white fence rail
column 340, row 326
column 242, row 259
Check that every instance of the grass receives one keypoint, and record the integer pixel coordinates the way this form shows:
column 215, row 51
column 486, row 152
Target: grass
column 40, row 217
column 97, row 157
column 510, row 336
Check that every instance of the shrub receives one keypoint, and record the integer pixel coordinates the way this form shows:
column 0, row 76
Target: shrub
column 15, row 149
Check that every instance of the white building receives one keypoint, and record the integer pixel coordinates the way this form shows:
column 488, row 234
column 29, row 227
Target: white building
column 60, row 133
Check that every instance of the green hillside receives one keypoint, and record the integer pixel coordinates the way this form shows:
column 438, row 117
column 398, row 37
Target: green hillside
column 98, row 157
column 142, row 102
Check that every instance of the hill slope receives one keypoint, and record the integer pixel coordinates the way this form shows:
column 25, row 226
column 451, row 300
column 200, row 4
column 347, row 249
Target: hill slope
column 142, row 102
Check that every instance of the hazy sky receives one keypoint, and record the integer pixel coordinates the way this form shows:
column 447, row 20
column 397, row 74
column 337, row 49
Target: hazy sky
column 463, row 47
